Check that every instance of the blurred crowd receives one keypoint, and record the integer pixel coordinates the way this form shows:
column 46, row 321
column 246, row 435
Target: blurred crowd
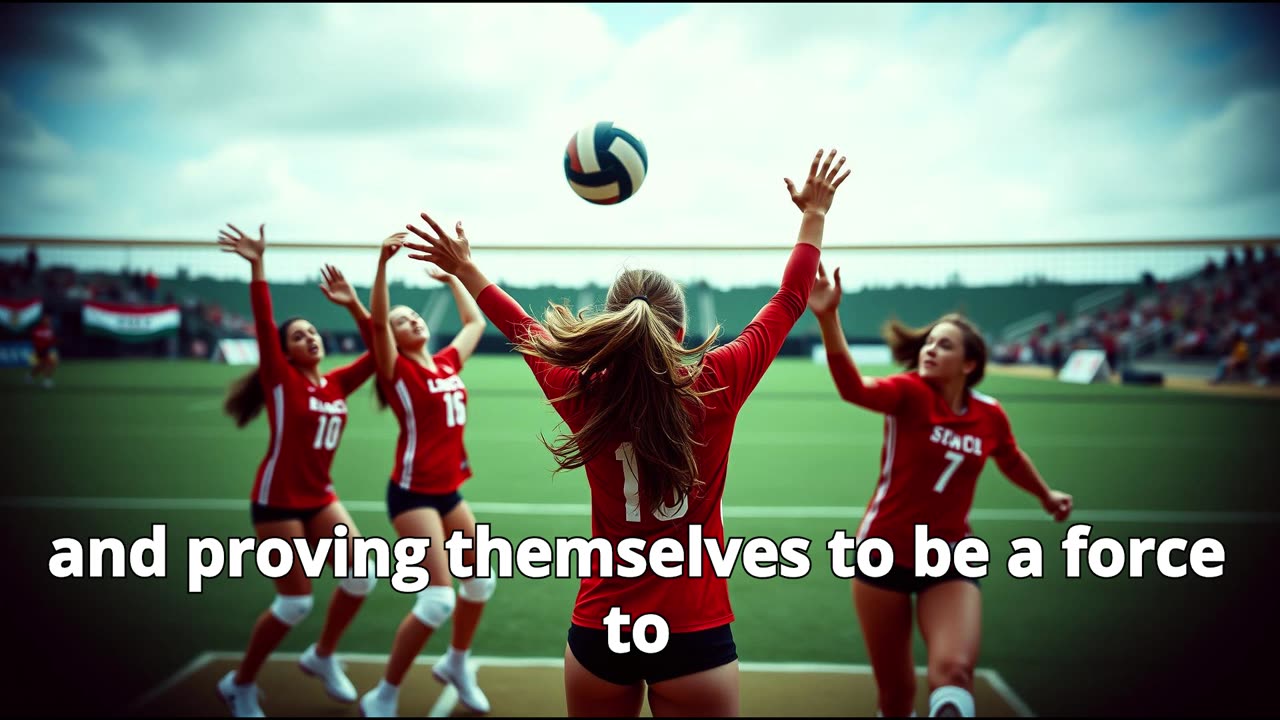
column 63, row 290
column 1226, row 314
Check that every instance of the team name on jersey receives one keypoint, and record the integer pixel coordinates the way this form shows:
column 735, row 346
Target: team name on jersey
column 337, row 407
column 448, row 384
column 964, row 443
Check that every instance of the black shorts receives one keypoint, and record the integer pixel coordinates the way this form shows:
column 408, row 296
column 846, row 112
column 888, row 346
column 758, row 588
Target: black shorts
column 266, row 513
column 400, row 500
column 903, row 579
column 685, row 654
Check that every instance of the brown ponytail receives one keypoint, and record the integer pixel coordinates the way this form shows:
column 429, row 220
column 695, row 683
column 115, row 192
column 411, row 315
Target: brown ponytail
column 906, row 342
column 245, row 398
column 637, row 377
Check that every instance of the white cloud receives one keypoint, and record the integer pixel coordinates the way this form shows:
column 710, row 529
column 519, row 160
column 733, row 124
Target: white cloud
column 960, row 123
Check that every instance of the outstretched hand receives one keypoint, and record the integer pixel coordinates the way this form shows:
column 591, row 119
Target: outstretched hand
column 825, row 296
column 439, row 275
column 445, row 252
column 243, row 245
column 391, row 245
column 820, row 187
column 335, row 286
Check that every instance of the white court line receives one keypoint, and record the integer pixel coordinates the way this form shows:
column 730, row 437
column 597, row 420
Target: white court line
column 444, row 704
column 584, row 510
column 1003, row 690
column 183, row 673
column 448, row 697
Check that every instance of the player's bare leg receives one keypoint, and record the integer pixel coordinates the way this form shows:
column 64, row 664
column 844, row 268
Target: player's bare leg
column 318, row 659
column 350, row 594
column 710, row 693
column 454, row 667
column 293, row 602
column 885, row 617
column 590, row 696
column 950, row 617
column 433, row 606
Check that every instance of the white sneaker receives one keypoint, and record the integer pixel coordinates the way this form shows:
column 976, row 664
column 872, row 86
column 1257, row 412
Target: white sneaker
column 377, row 704
column 329, row 670
column 242, row 700
column 463, row 678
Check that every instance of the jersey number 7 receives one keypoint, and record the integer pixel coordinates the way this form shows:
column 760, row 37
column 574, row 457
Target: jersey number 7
column 955, row 458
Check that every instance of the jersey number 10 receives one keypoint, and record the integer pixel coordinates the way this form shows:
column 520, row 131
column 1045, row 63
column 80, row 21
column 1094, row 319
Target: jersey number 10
column 631, row 489
column 328, row 432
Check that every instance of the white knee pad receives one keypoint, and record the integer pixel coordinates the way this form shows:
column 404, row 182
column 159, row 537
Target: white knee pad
column 434, row 605
column 359, row 587
column 477, row 590
column 291, row 609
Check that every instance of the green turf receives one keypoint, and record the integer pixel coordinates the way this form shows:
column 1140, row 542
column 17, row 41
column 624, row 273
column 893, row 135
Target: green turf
column 1067, row 646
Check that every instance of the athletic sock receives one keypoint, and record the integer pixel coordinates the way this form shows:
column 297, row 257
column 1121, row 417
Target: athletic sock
column 960, row 700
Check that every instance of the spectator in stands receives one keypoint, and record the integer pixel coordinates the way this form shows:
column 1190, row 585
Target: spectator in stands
column 33, row 262
column 1193, row 343
column 1236, row 362
column 1269, row 355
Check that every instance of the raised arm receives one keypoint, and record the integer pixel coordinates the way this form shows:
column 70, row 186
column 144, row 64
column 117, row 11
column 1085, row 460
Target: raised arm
column 824, row 301
column 473, row 322
column 453, row 256
column 384, row 344
column 339, row 292
column 1016, row 465
column 335, row 287
column 741, row 364
column 271, row 357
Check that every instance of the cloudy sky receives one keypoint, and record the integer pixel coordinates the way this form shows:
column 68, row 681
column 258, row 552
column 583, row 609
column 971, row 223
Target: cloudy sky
column 341, row 123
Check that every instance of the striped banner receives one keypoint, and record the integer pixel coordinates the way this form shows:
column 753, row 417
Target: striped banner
column 18, row 315
column 131, row 323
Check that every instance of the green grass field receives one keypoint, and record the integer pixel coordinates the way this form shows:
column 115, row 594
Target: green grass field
column 83, row 459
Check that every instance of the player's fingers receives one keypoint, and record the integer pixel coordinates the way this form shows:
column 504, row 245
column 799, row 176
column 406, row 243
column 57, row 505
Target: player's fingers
column 433, row 224
column 421, row 234
column 836, row 169
column 826, row 164
column 418, row 246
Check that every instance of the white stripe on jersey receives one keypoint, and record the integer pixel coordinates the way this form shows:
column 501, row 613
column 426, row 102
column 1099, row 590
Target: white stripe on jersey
column 983, row 398
column 264, row 492
column 891, row 441
column 411, row 431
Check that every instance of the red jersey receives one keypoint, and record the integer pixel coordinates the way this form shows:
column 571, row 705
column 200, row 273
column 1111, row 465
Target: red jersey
column 43, row 339
column 687, row 604
column 930, row 462
column 432, row 409
column 306, row 421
